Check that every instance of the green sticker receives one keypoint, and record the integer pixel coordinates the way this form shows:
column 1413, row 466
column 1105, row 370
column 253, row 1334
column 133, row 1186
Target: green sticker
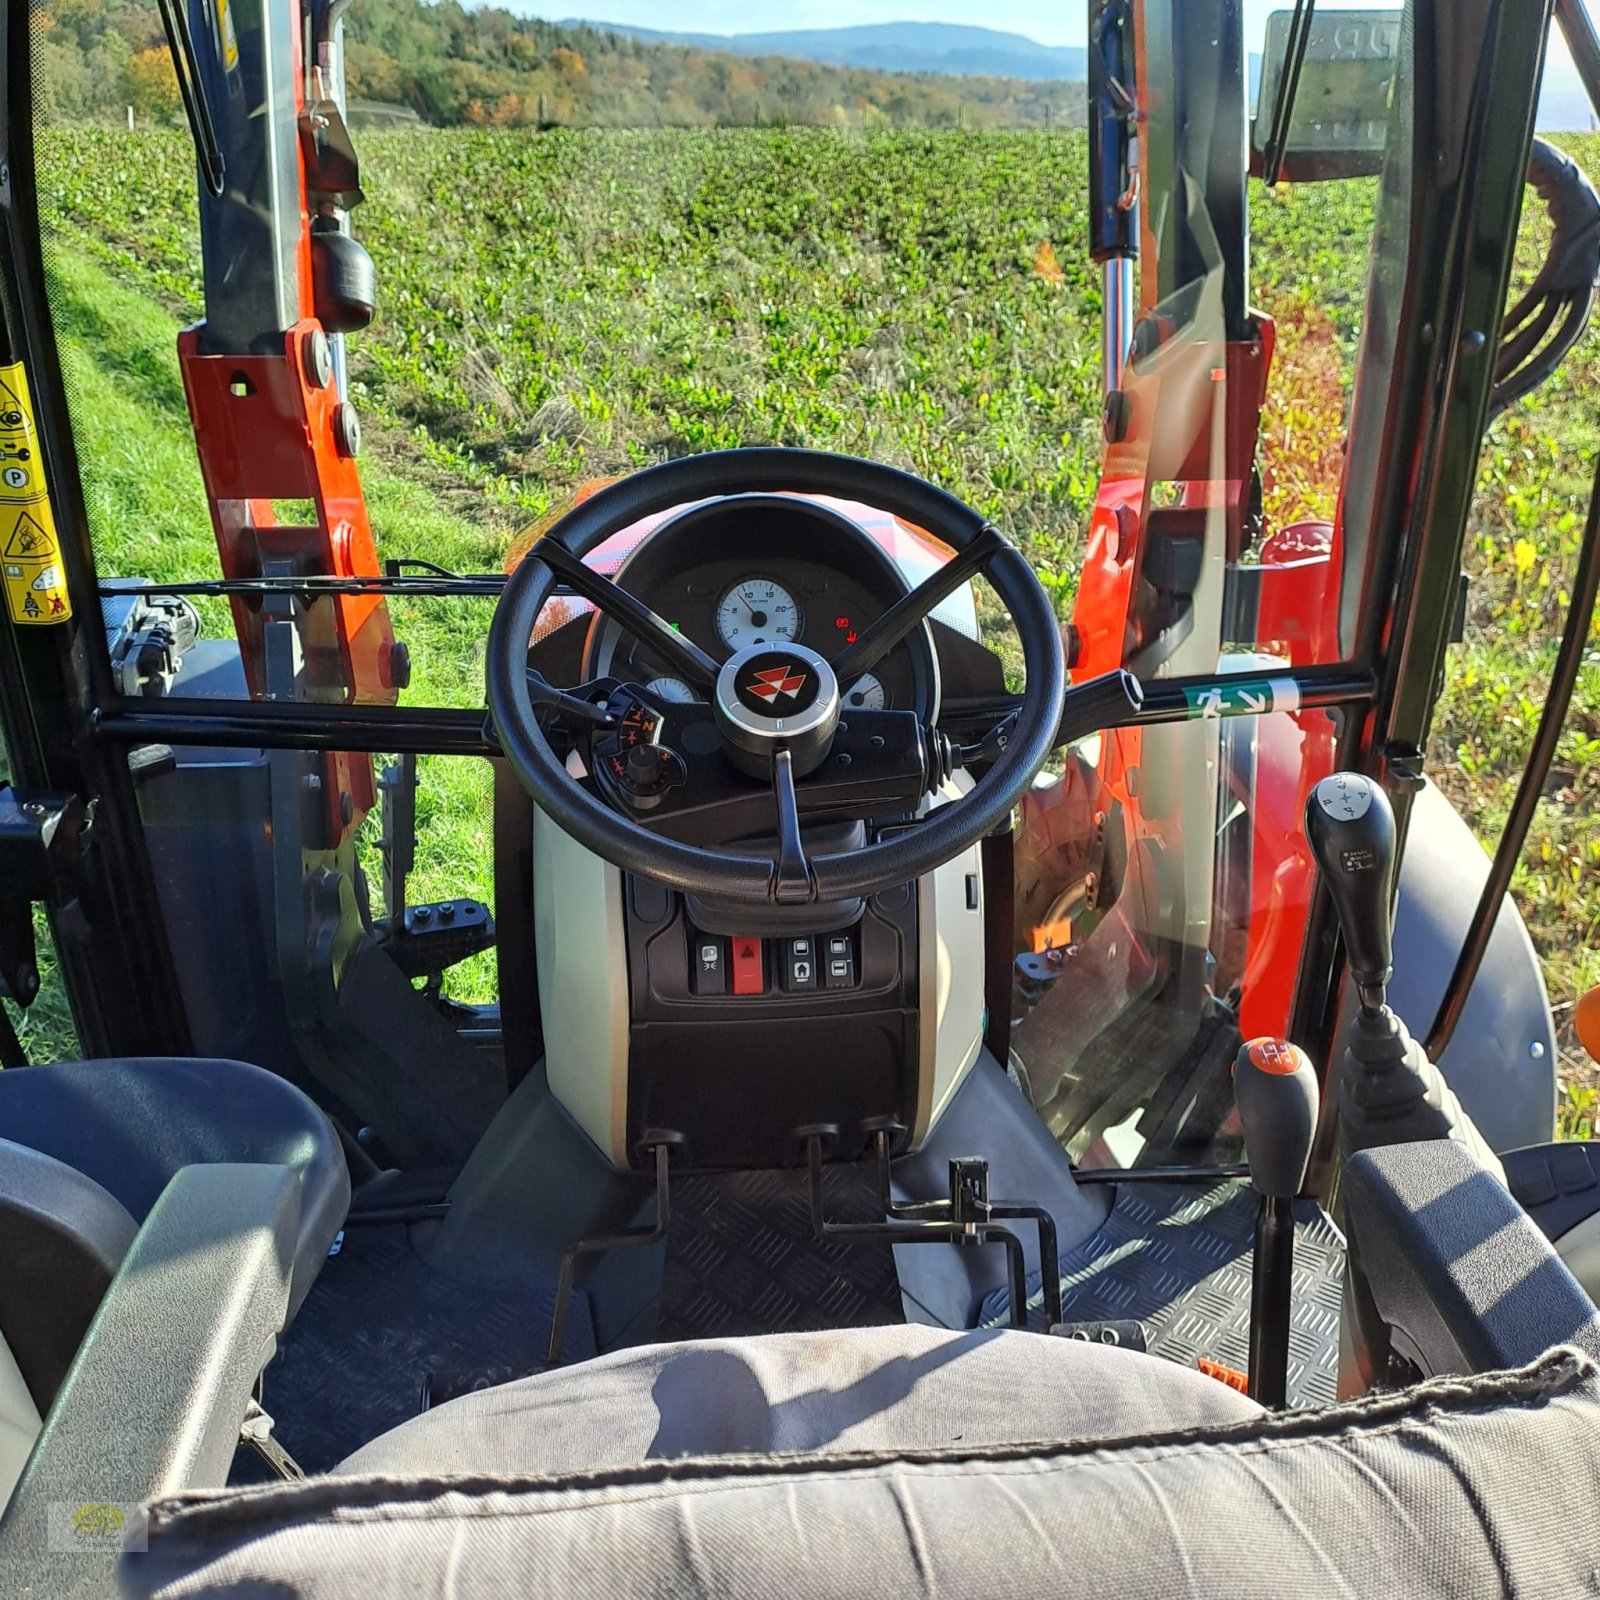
column 1242, row 697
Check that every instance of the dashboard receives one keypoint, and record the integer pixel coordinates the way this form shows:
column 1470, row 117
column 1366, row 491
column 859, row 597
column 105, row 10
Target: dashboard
column 759, row 569
column 730, row 571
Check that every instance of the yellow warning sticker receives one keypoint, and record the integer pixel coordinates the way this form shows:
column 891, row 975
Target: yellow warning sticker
column 21, row 471
column 28, row 536
column 30, row 558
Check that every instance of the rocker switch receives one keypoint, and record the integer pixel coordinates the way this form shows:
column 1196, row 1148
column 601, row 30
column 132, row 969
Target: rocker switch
column 747, row 975
column 839, row 962
column 800, row 964
column 709, row 963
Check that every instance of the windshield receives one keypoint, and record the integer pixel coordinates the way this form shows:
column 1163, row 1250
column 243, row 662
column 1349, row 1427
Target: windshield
column 593, row 249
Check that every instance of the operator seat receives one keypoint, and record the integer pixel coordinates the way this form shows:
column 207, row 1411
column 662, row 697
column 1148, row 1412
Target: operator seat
column 904, row 1388
column 891, row 1463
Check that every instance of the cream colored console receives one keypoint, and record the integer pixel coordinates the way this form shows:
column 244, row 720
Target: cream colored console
column 579, row 928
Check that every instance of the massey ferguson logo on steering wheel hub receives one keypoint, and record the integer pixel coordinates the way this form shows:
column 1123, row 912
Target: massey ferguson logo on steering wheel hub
column 776, row 683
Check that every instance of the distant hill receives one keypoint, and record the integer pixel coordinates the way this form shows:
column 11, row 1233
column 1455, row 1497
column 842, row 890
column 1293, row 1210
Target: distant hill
column 950, row 49
column 940, row 47
column 481, row 65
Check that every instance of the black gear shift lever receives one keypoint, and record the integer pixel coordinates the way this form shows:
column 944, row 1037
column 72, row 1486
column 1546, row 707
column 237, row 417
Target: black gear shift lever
column 1389, row 1091
column 1275, row 1087
column 1351, row 829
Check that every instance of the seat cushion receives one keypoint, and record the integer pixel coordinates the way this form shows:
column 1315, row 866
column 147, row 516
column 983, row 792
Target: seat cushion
column 1480, row 1487
column 130, row 1124
column 897, row 1388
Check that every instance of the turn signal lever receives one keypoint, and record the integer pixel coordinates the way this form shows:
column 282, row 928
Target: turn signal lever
column 1389, row 1091
column 1275, row 1087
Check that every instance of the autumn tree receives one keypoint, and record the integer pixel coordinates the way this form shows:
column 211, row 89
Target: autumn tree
column 150, row 83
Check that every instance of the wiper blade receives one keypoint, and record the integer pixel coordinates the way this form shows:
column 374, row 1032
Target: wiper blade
column 208, row 149
column 1294, row 58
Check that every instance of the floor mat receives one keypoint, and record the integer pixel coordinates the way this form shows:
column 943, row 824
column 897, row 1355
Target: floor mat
column 377, row 1323
column 742, row 1259
column 1177, row 1258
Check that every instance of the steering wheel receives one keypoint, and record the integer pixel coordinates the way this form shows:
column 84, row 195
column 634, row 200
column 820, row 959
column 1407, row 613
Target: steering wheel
column 777, row 709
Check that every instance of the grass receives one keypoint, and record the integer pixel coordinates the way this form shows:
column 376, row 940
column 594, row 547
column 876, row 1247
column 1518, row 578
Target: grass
column 555, row 307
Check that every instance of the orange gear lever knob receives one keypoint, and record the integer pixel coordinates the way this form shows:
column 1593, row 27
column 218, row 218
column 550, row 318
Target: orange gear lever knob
column 1275, row 1088
column 1586, row 1022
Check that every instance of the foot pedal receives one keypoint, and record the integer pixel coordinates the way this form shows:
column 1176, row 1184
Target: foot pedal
column 1126, row 1333
column 661, row 1141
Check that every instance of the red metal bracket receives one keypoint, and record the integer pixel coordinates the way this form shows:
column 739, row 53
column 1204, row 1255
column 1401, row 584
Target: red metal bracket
column 268, row 429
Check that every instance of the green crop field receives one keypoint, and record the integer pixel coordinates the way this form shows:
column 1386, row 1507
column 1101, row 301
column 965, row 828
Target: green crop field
column 559, row 306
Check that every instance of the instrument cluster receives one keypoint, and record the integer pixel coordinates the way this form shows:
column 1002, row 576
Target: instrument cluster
column 732, row 574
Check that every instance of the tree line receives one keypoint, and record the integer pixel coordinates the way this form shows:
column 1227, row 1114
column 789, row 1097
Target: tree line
column 453, row 66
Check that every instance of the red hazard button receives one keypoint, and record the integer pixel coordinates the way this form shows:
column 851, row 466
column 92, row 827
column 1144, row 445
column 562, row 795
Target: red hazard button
column 747, row 966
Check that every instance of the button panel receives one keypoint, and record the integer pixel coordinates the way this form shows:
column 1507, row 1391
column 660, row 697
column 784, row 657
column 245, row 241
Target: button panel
column 749, row 966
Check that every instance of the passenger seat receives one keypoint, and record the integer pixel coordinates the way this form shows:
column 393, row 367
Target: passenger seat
column 86, row 1149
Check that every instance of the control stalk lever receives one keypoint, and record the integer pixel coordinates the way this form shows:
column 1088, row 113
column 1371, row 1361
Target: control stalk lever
column 1275, row 1087
column 1351, row 831
column 1389, row 1091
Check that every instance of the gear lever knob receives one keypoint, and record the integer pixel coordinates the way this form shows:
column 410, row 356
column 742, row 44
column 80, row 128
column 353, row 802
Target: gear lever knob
column 1351, row 830
column 1275, row 1087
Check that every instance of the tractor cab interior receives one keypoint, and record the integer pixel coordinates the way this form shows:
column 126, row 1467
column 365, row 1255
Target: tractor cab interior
column 757, row 1042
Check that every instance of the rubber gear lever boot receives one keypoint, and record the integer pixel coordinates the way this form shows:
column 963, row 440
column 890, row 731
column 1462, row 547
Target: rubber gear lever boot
column 1391, row 1093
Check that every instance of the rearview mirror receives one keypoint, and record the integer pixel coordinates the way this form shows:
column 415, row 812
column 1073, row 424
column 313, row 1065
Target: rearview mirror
column 1341, row 106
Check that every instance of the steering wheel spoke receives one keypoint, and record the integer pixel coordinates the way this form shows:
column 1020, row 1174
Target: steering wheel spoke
column 682, row 655
column 879, row 638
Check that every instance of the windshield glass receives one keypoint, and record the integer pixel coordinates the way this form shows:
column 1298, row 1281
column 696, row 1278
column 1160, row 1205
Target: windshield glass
column 585, row 249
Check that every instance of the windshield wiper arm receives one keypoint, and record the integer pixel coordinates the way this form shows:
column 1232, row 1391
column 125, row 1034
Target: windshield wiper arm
column 1294, row 58
column 180, row 41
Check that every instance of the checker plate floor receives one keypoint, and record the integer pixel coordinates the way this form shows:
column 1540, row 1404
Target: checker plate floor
column 378, row 1323
column 742, row 1259
column 1177, row 1258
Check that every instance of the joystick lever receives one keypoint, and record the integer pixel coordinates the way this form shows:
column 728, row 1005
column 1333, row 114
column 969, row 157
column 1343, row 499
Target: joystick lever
column 1351, row 830
column 1275, row 1087
column 1389, row 1091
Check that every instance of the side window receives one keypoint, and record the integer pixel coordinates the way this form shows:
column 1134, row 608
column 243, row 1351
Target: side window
column 41, row 1030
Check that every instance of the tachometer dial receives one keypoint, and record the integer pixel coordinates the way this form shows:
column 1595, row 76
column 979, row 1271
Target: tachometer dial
column 865, row 694
column 757, row 611
column 674, row 689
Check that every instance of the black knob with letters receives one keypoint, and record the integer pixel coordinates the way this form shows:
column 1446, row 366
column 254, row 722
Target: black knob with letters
column 1351, row 829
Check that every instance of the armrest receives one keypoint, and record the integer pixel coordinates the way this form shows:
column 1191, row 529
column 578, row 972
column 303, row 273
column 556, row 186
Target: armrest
column 1458, row 1275
column 154, row 1399
column 1558, row 1185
